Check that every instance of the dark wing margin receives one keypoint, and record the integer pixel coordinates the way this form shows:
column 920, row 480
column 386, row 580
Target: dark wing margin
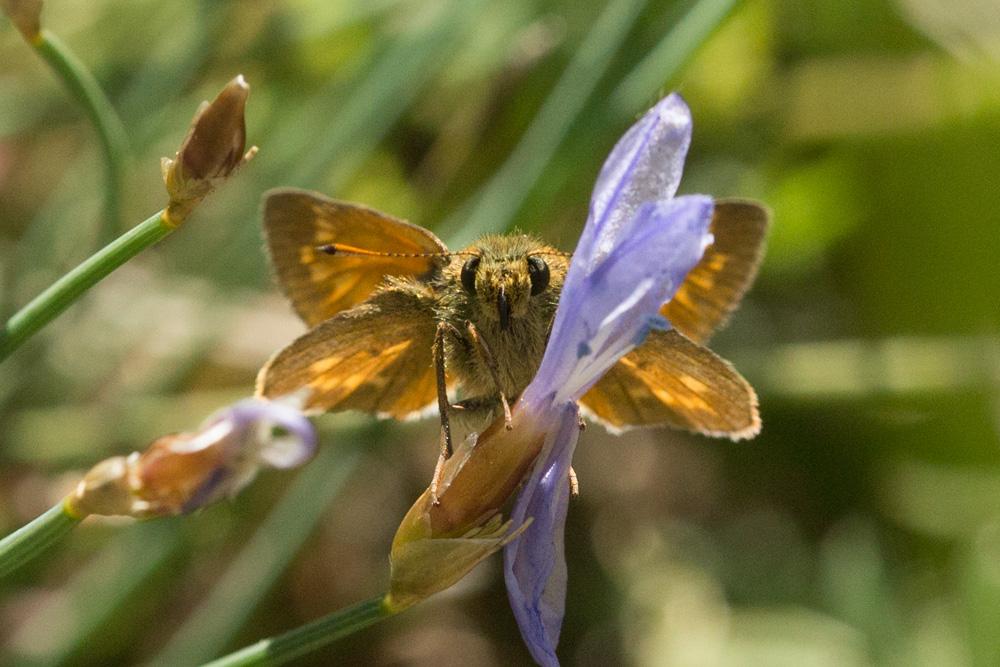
column 671, row 380
column 714, row 287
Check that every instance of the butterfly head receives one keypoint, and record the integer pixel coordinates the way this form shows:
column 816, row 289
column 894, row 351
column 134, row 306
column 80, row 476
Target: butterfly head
column 504, row 276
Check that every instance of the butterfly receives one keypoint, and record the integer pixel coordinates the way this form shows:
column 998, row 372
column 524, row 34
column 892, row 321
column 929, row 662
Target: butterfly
column 398, row 321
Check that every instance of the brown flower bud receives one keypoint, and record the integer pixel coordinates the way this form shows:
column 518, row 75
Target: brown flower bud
column 212, row 150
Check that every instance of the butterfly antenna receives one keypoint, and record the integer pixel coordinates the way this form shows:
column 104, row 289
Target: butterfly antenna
column 353, row 251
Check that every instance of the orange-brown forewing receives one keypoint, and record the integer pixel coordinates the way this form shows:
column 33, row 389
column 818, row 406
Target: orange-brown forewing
column 375, row 357
column 671, row 380
column 716, row 284
column 319, row 285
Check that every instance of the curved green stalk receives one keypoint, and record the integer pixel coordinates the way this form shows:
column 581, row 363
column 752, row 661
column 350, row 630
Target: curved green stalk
column 309, row 637
column 32, row 539
column 44, row 307
column 110, row 129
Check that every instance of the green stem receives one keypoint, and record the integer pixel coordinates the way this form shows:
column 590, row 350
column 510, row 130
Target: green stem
column 31, row 540
column 44, row 307
column 110, row 129
column 309, row 637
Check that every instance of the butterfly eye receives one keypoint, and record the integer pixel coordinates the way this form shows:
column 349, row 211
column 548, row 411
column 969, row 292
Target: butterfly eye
column 469, row 275
column 538, row 271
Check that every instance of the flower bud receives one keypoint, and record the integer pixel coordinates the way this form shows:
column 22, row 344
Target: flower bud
column 212, row 150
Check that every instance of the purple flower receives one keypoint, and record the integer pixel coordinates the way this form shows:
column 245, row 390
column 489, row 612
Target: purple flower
column 635, row 251
column 638, row 245
column 182, row 472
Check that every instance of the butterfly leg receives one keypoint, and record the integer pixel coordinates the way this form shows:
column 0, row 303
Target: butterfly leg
column 442, row 390
column 443, row 407
column 491, row 364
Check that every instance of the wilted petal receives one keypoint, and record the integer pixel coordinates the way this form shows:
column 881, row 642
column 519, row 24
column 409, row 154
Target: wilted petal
column 286, row 452
column 276, row 451
column 535, row 564
column 607, row 310
column 182, row 472
column 645, row 166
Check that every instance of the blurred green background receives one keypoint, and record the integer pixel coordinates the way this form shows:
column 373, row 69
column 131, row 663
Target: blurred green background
column 862, row 526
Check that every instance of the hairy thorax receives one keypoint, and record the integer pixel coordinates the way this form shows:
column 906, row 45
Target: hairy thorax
column 518, row 351
column 516, row 339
